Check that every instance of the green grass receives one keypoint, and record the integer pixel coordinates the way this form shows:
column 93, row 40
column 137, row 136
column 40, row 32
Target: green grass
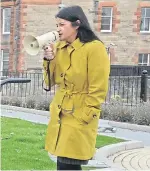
column 105, row 140
column 22, row 145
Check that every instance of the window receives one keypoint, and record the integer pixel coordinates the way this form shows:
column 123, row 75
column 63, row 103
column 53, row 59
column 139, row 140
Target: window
column 4, row 61
column 106, row 22
column 144, row 59
column 145, row 20
column 6, row 20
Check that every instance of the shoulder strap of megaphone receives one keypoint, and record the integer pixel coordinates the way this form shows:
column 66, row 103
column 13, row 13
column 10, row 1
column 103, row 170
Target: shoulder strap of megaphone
column 49, row 80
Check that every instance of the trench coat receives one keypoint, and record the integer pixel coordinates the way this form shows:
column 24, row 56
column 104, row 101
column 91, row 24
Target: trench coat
column 81, row 72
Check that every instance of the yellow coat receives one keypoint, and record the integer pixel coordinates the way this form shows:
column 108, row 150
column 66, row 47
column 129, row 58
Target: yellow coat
column 81, row 72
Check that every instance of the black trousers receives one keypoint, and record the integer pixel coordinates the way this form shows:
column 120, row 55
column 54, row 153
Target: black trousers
column 64, row 166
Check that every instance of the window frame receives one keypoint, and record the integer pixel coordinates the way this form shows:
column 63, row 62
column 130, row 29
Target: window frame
column 1, row 63
column 3, row 19
column 2, row 60
column 143, row 31
column 111, row 19
column 148, row 59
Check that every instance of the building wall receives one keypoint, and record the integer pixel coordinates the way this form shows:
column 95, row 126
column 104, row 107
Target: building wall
column 15, row 38
column 37, row 17
column 5, row 38
column 40, row 18
column 126, row 31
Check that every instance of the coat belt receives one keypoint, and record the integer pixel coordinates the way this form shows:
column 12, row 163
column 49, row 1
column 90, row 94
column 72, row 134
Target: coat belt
column 70, row 93
column 68, row 101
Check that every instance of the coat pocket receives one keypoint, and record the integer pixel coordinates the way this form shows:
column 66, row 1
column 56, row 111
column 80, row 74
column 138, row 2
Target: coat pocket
column 90, row 115
column 77, row 114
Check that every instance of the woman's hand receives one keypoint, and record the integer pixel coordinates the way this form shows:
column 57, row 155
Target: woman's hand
column 49, row 53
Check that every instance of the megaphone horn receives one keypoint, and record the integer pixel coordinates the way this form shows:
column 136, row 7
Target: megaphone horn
column 33, row 45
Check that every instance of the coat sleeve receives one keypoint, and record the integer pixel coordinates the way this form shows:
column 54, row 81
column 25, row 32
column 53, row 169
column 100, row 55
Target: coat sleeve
column 51, row 68
column 98, row 77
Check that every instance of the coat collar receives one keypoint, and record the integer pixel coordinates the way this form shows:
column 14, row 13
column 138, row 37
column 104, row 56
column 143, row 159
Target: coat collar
column 76, row 44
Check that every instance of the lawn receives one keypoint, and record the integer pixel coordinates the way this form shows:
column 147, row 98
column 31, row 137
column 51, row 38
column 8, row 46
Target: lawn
column 22, row 145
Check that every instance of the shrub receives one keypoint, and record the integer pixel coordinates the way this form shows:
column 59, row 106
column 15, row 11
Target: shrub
column 36, row 101
column 142, row 114
column 5, row 100
column 13, row 101
column 115, row 110
column 29, row 102
column 42, row 102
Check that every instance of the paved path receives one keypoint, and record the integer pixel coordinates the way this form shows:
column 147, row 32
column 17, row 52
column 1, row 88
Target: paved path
column 25, row 116
column 134, row 160
column 127, row 134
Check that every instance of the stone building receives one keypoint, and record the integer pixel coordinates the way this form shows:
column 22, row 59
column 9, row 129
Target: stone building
column 123, row 25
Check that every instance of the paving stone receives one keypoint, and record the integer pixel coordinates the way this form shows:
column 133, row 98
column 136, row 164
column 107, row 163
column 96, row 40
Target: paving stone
column 134, row 160
column 143, row 161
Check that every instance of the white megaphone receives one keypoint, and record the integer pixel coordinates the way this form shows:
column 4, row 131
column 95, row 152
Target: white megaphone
column 33, row 45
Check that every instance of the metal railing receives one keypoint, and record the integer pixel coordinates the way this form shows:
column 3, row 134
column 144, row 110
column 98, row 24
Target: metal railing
column 127, row 88
column 128, row 70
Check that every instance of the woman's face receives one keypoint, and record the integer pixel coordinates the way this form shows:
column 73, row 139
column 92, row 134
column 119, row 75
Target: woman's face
column 66, row 31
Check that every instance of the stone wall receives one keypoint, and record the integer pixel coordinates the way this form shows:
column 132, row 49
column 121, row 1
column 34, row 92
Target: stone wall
column 126, row 35
column 38, row 17
column 41, row 19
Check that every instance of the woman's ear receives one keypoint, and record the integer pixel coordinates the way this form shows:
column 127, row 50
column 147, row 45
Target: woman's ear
column 76, row 24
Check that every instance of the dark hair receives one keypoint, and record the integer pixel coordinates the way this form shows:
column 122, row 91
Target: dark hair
column 74, row 13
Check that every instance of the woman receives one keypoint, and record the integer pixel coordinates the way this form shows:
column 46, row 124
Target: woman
column 80, row 67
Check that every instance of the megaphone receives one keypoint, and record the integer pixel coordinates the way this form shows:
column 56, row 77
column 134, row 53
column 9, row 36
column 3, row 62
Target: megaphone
column 33, row 45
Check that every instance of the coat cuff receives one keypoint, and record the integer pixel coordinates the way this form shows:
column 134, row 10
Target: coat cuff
column 89, row 114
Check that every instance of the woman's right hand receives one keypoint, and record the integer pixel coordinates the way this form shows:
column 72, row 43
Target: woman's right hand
column 49, row 52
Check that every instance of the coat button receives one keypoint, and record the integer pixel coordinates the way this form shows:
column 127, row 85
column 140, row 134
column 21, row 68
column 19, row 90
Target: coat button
column 94, row 116
column 59, row 121
column 59, row 106
column 61, row 74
